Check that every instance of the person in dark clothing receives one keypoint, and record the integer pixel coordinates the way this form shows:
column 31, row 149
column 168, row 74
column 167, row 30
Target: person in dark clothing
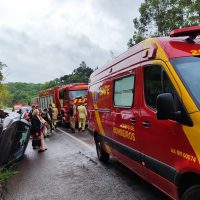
column 35, row 127
column 72, row 114
column 35, row 124
column 50, row 111
column 45, row 115
column 31, row 112
column 36, row 130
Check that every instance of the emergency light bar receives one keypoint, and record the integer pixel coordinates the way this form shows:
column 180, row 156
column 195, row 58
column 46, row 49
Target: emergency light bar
column 188, row 31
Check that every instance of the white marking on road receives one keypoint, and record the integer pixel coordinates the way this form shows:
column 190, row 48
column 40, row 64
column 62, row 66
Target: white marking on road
column 78, row 140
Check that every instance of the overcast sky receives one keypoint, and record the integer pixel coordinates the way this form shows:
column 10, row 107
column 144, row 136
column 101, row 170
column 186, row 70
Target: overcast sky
column 45, row 39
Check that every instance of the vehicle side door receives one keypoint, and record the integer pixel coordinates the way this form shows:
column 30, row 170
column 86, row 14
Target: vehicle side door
column 126, row 119
column 162, row 139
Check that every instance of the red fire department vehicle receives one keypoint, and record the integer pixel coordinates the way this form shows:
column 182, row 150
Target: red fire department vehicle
column 62, row 96
column 144, row 109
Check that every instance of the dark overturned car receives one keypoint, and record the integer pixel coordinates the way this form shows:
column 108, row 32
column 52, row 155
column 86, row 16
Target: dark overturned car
column 14, row 137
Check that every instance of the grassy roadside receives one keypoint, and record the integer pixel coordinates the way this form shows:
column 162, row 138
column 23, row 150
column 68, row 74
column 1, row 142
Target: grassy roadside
column 4, row 175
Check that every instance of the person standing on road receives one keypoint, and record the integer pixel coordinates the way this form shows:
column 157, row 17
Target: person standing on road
column 31, row 112
column 54, row 115
column 72, row 114
column 37, row 131
column 50, row 111
column 46, row 117
column 82, row 115
column 27, row 115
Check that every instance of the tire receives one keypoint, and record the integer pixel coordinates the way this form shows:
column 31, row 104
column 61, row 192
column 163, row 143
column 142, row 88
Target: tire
column 102, row 155
column 193, row 193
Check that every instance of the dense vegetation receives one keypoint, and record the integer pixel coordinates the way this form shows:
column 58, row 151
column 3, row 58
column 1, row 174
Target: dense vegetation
column 5, row 95
column 23, row 92
column 159, row 17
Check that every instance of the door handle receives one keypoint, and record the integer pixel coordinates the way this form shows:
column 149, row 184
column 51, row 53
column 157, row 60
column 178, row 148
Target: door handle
column 146, row 124
column 133, row 120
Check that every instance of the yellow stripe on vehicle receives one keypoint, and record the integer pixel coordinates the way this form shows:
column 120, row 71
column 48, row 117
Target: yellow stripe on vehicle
column 193, row 134
column 98, row 120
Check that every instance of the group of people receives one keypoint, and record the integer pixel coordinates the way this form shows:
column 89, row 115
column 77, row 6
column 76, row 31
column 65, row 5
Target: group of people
column 44, row 121
column 42, row 124
column 82, row 116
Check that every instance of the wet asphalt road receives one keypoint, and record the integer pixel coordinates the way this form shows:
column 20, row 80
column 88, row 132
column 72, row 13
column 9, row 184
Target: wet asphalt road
column 70, row 170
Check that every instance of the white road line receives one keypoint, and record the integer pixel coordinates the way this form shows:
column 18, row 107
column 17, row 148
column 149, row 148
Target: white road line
column 78, row 140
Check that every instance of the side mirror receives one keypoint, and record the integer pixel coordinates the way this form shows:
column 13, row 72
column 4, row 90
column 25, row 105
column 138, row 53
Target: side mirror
column 165, row 108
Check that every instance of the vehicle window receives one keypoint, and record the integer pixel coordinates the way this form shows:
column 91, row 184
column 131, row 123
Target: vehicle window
column 65, row 98
column 21, row 139
column 43, row 102
column 156, row 82
column 63, row 94
column 95, row 97
column 123, row 91
column 21, row 136
column 77, row 94
column 152, row 84
column 167, row 86
column 188, row 69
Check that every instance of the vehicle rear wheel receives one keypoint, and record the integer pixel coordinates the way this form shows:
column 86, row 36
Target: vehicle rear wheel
column 102, row 155
column 193, row 193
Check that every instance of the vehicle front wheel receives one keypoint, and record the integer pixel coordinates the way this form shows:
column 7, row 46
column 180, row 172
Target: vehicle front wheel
column 102, row 155
column 193, row 193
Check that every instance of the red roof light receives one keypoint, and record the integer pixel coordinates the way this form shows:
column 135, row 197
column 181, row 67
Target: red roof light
column 187, row 31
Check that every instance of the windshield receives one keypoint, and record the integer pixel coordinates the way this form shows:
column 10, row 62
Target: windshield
column 73, row 94
column 189, row 70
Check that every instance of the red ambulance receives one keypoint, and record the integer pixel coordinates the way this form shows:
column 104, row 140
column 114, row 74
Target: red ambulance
column 144, row 109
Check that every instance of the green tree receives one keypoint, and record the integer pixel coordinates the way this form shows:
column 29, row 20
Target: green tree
column 5, row 96
column 80, row 74
column 159, row 17
column 51, row 84
column 23, row 92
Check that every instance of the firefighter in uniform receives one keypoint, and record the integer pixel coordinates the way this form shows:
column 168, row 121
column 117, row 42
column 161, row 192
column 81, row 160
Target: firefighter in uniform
column 82, row 115
column 72, row 114
column 54, row 115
